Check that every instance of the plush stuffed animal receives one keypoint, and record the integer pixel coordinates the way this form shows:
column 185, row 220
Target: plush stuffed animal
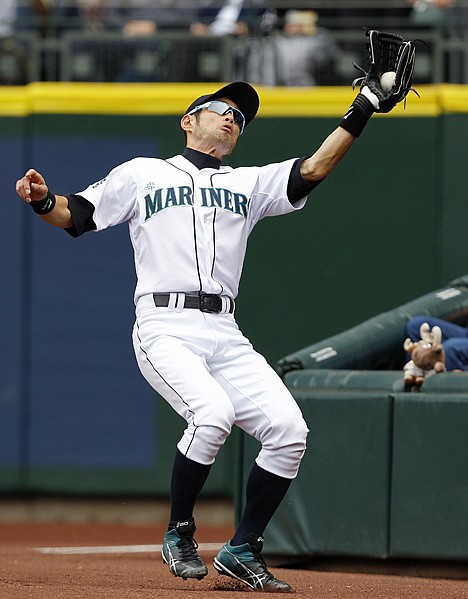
column 427, row 357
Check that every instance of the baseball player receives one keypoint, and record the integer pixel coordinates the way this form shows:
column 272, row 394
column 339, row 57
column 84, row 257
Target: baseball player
column 189, row 219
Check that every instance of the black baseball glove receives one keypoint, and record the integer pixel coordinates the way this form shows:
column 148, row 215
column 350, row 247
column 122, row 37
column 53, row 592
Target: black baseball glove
column 387, row 52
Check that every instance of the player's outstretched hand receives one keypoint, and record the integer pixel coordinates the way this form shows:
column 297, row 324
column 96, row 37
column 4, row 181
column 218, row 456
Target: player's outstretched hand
column 32, row 187
column 390, row 72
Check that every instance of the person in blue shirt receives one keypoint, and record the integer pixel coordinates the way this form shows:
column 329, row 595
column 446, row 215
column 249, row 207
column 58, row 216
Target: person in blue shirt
column 454, row 339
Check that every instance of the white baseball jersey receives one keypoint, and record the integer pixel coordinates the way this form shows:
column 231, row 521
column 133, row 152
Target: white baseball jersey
column 189, row 227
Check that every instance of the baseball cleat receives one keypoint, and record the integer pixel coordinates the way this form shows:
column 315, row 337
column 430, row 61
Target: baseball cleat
column 245, row 563
column 179, row 552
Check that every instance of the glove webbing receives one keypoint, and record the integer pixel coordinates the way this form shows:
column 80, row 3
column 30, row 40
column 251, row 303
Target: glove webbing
column 357, row 116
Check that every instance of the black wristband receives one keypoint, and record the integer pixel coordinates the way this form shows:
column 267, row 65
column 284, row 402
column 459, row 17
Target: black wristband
column 357, row 116
column 44, row 206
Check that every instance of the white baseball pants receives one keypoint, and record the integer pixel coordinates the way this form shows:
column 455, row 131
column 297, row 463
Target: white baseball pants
column 210, row 374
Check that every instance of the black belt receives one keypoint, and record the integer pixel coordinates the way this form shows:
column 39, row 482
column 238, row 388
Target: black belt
column 206, row 302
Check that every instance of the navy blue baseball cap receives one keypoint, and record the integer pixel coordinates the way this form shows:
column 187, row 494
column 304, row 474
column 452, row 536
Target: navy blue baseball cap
column 240, row 92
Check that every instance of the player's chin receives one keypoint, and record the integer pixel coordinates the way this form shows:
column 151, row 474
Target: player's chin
column 228, row 142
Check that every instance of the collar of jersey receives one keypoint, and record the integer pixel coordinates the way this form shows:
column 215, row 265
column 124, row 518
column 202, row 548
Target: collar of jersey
column 201, row 160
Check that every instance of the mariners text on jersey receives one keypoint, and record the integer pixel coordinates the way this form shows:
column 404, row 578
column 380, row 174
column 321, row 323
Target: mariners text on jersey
column 211, row 197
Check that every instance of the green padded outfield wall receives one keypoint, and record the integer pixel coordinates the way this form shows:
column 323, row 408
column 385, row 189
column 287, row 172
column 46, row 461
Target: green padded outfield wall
column 429, row 506
column 339, row 503
column 385, row 474
column 348, row 255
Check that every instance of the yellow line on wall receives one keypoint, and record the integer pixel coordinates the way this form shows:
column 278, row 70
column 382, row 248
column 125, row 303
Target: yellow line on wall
column 173, row 99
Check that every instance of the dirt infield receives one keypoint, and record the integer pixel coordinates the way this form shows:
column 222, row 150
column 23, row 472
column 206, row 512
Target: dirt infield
column 36, row 561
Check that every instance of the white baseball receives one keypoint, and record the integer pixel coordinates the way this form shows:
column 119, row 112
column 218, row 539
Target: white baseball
column 387, row 80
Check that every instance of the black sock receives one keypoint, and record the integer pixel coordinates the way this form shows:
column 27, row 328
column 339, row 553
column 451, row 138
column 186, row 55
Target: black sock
column 187, row 480
column 264, row 493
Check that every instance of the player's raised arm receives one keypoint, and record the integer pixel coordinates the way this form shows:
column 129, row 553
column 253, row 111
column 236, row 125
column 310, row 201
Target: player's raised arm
column 386, row 83
column 53, row 209
column 329, row 154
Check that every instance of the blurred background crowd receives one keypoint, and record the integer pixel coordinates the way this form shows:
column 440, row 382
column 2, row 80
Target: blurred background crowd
column 267, row 42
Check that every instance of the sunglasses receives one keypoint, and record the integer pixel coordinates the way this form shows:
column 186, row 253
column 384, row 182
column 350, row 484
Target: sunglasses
column 223, row 108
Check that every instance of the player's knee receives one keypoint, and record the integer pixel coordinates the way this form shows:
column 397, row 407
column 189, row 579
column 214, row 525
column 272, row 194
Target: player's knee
column 291, row 432
column 295, row 446
column 212, row 436
column 202, row 443
column 283, row 447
